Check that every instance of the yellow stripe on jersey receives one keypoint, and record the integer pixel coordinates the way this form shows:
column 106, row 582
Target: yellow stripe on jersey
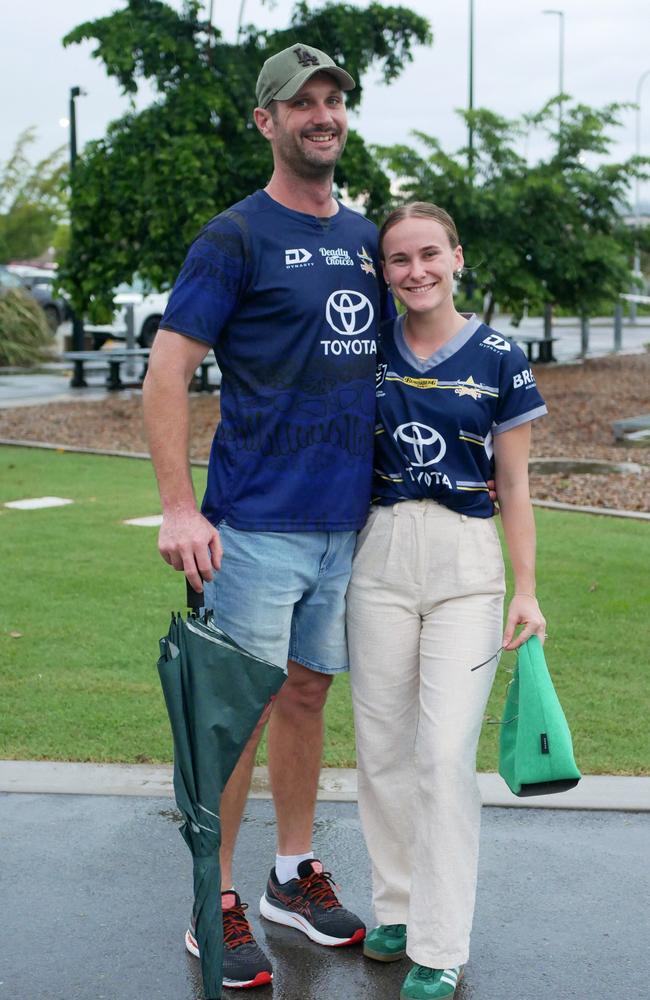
column 467, row 388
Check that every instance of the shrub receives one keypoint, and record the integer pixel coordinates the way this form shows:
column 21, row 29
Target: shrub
column 25, row 338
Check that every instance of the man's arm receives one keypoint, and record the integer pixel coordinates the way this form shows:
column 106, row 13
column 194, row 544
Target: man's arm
column 187, row 540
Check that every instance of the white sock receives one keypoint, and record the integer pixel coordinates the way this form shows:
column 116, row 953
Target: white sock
column 286, row 865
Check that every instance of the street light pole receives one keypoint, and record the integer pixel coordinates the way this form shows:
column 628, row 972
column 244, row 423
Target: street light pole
column 77, row 322
column 560, row 15
column 470, row 92
column 637, row 188
column 240, row 19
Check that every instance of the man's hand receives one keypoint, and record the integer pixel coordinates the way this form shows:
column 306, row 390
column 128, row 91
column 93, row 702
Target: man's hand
column 492, row 492
column 189, row 543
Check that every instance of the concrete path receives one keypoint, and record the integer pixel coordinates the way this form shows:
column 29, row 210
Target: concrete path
column 336, row 785
column 96, row 893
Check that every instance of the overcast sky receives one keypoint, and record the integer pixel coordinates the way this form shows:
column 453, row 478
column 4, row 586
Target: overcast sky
column 516, row 66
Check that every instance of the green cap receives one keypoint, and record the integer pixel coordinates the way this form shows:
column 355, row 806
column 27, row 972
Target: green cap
column 282, row 76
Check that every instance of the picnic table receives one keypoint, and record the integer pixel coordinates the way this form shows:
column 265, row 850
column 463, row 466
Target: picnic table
column 544, row 345
column 114, row 359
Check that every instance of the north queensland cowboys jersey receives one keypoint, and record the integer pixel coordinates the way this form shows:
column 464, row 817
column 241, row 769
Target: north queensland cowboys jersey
column 436, row 418
column 291, row 305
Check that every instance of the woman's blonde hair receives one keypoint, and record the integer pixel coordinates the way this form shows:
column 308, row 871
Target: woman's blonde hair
column 420, row 210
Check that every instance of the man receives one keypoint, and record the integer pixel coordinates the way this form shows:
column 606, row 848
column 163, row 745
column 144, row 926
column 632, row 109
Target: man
column 285, row 287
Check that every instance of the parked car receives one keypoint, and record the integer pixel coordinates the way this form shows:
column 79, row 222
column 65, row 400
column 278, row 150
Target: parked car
column 39, row 282
column 148, row 309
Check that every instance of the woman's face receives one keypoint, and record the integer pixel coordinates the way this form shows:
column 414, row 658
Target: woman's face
column 419, row 264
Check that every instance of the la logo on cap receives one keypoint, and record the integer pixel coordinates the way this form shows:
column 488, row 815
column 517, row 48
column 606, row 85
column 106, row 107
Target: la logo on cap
column 305, row 58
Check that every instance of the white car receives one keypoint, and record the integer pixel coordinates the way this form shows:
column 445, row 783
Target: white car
column 148, row 309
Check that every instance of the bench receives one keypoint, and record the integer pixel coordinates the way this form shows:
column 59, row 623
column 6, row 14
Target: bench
column 634, row 428
column 115, row 358
column 544, row 344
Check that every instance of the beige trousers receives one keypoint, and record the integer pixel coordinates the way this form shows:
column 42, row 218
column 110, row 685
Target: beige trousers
column 425, row 604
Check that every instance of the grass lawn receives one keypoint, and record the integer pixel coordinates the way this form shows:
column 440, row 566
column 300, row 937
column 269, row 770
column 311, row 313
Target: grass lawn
column 86, row 598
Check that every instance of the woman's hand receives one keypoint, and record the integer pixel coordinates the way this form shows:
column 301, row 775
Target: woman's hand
column 523, row 610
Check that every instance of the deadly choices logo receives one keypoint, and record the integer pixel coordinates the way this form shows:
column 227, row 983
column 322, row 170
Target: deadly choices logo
column 349, row 314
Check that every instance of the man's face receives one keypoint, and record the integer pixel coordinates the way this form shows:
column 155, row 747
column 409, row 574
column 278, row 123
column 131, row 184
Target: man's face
column 308, row 132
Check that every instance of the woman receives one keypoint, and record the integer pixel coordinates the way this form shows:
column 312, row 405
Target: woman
column 425, row 604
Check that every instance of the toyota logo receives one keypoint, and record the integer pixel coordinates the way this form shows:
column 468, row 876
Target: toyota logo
column 349, row 312
column 419, row 436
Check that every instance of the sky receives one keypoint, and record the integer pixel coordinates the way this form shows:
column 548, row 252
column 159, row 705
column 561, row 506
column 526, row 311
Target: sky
column 516, row 67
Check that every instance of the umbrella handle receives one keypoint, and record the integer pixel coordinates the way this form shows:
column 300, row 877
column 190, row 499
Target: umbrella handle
column 194, row 599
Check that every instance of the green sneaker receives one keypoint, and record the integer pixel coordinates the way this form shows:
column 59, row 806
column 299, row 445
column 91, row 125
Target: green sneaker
column 431, row 984
column 386, row 943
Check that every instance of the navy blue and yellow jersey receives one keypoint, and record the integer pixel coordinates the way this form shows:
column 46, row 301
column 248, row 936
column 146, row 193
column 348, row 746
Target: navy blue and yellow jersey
column 291, row 305
column 436, row 418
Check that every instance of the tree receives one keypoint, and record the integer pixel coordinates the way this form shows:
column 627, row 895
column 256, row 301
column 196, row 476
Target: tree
column 141, row 193
column 33, row 201
column 552, row 232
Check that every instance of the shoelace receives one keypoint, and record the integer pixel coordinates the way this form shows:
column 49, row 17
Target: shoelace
column 318, row 886
column 394, row 930
column 236, row 929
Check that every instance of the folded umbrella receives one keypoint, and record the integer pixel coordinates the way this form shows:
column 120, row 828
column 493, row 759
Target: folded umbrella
column 215, row 693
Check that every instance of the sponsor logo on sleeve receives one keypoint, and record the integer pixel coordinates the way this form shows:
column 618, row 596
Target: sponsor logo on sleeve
column 298, row 257
column 350, row 314
column 524, row 379
column 495, row 343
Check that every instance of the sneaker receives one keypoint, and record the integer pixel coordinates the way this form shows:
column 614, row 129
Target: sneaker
column 386, row 943
column 423, row 983
column 309, row 904
column 244, row 962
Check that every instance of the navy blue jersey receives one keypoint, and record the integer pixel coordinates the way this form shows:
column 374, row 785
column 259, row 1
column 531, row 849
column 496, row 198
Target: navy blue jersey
column 436, row 418
column 291, row 305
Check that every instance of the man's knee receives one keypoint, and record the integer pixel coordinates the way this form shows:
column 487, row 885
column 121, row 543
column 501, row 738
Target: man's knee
column 304, row 690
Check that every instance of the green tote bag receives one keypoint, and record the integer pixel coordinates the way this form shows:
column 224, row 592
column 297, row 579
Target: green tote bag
column 535, row 748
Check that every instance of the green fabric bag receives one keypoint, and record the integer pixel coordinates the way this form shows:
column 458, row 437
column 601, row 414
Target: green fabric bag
column 535, row 748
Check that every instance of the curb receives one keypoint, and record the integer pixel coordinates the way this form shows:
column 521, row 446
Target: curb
column 594, row 792
column 637, row 515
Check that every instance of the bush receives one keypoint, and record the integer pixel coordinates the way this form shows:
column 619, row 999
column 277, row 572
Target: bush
column 25, row 338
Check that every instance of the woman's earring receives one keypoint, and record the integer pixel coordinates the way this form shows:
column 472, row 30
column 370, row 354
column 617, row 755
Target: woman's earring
column 458, row 273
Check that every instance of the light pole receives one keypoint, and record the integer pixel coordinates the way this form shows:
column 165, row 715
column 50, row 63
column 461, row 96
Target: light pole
column 240, row 19
column 470, row 91
column 560, row 15
column 77, row 321
column 637, row 191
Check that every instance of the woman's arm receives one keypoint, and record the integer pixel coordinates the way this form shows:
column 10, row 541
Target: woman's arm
column 511, row 474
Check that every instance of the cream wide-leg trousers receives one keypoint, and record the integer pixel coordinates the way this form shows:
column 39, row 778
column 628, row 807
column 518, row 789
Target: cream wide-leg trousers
column 425, row 605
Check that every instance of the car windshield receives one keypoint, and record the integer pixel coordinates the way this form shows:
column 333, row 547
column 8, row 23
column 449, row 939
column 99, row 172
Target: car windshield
column 9, row 280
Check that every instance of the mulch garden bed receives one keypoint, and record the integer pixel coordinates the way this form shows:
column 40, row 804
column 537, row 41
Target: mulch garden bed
column 583, row 401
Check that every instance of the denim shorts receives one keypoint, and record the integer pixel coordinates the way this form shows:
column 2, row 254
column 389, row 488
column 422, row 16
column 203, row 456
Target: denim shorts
column 281, row 595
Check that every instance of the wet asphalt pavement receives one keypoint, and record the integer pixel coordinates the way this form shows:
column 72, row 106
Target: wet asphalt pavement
column 96, row 892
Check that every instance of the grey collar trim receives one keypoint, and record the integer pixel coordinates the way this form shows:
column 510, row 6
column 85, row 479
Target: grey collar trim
column 446, row 351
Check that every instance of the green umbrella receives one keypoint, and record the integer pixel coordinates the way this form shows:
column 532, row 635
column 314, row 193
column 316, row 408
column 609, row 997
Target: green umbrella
column 215, row 694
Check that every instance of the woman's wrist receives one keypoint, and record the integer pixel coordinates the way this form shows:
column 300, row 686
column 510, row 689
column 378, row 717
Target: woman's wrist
column 521, row 593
